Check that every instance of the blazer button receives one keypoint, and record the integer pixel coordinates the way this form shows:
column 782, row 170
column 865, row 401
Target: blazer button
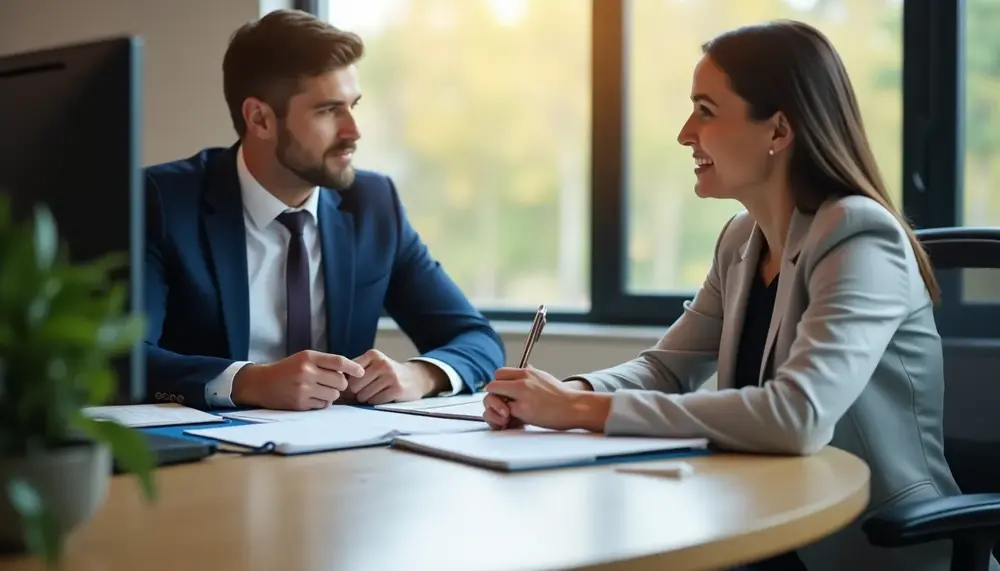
column 180, row 398
column 159, row 395
column 173, row 398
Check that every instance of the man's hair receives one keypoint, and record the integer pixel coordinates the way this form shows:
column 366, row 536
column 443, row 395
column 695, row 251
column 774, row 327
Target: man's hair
column 269, row 58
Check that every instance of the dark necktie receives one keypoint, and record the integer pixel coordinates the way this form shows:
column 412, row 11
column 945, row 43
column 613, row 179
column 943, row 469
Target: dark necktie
column 298, row 326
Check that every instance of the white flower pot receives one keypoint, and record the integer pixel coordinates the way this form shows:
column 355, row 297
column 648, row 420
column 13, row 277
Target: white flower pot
column 72, row 481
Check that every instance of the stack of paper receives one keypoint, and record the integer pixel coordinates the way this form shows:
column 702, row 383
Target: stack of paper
column 334, row 428
column 143, row 415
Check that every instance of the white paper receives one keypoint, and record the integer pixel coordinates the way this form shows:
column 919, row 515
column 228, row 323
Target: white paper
column 516, row 449
column 434, row 402
column 468, row 407
column 295, row 437
column 332, row 428
column 346, row 415
column 267, row 415
column 471, row 410
column 143, row 415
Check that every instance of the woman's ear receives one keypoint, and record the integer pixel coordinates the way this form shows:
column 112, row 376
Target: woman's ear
column 782, row 135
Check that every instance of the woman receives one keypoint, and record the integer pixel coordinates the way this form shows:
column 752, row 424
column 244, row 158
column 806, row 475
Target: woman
column 817, row 312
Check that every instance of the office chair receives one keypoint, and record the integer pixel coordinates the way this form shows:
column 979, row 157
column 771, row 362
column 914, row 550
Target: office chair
column 972, row 445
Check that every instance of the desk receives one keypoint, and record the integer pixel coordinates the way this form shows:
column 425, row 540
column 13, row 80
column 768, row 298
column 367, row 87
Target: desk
column 382, row 509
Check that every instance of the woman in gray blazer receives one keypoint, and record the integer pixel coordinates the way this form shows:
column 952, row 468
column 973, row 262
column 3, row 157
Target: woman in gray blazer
column 816, row 314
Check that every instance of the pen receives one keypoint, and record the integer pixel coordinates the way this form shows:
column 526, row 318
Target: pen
column 536, row 331
column 671, row 470
column 533, row 334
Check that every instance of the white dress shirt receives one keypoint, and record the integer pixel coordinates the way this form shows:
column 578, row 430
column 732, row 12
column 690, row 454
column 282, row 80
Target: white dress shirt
column 267, row 248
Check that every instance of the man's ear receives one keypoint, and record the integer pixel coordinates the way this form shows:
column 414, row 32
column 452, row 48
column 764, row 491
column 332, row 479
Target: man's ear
column 782, row 134
column 260, row 118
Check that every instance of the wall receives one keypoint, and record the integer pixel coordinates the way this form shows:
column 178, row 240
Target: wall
column 184, row 41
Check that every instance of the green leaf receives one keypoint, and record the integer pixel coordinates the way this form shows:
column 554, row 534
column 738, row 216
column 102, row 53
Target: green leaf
column 69, row 329
column 105, row 265
column 122, row 334
column 100, row 385
column 24, row 498
column 128, row 447
column 114, row 301
column 17, row 271
column 7, row 335
column 93, row 275
column 40, row 531
column 46, row 237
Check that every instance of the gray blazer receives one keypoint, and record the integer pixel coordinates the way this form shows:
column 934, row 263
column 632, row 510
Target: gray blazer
column 858, row 365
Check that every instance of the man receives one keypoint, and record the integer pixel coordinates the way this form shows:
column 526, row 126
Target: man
column 268, row 263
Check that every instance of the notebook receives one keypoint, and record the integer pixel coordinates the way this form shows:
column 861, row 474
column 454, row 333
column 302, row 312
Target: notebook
column 531, row 448
column 144, row 415
column 468, row 407
column 334, row 428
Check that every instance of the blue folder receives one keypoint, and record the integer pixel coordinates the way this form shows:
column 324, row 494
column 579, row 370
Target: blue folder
column 177, row 430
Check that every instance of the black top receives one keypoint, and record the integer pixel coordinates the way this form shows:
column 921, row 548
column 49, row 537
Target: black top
column 756, row 322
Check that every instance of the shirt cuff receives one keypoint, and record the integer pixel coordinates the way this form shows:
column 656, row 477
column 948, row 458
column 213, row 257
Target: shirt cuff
column 456, row 381
column 219, row 391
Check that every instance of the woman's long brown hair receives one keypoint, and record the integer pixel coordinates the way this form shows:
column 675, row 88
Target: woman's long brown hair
column 791, row 67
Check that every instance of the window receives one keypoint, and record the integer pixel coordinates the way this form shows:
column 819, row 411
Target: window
column 981, row 196
column 981, row 165
column 480, row 110
column 534, row 141
column 671, row 232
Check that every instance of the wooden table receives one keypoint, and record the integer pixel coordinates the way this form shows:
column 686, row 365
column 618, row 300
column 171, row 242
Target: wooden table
column 384, row 509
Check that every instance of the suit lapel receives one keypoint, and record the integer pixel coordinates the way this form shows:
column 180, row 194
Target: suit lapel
column 336, row 229
column 223, row 225
column 797, row 230
column 743, row 273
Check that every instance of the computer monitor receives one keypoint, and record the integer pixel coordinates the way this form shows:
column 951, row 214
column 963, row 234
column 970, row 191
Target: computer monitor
column 70, row 138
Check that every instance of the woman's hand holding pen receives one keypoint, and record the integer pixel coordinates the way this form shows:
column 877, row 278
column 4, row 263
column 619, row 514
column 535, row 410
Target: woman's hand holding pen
column 521, row 396
column 497, row 411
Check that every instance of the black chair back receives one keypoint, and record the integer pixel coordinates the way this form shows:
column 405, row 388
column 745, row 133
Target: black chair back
column 972, row 366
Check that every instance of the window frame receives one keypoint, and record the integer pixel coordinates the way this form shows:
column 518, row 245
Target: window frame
column 932, row 139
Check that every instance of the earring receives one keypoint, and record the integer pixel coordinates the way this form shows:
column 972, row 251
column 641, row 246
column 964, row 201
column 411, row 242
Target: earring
column 770, row 152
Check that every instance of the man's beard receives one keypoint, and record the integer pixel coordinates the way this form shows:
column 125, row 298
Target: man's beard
column 315, row 174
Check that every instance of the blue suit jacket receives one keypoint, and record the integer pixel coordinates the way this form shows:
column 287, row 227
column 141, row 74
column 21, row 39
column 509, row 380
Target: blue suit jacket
column 197, row 292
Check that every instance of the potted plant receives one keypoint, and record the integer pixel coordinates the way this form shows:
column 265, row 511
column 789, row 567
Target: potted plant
column 61, row 326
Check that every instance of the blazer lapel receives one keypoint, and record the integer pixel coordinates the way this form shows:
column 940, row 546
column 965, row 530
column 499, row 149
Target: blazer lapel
column 336, row 229
column 793, row 245
column 743, row 274
column 223, row 225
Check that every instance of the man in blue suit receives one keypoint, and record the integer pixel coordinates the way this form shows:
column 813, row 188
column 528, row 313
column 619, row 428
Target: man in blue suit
column 269, row 263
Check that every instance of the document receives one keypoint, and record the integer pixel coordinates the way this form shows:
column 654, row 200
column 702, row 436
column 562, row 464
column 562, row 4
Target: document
column 469, row 407
column 525, row 449
column 144, row 415
column 267, row 415
column 333, row 428
column 433, row 402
